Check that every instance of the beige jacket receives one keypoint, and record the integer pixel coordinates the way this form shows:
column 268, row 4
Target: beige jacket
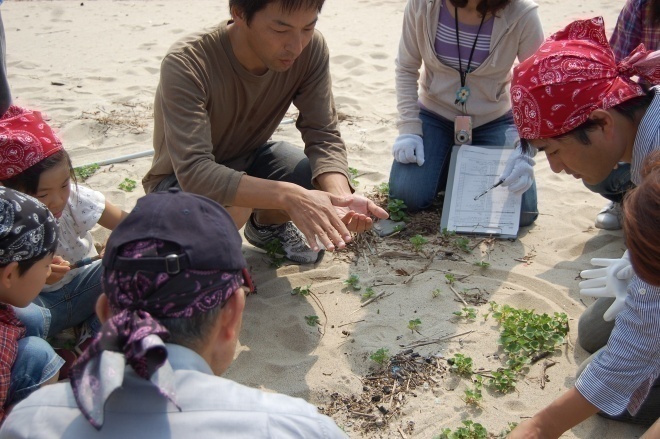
column 517, row 33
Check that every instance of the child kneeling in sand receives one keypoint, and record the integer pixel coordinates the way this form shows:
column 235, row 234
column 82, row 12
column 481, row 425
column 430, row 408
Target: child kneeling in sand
column 28, row 239
column 33, row 161
column 635, row 333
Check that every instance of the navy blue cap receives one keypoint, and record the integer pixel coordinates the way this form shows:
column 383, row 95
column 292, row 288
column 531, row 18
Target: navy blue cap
column 202, row 228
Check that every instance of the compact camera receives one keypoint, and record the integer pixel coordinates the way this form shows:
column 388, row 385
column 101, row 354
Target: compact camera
column 463, row 130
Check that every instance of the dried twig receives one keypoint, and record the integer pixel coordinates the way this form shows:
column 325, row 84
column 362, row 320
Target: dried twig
column 436, row 340
column 393, row 391
column 423, row 269
column 546, row 365
column 364, row 415
column 458, row 295
column 373, row 299
column 320, row 305
column 350, row 323
column 539, row 356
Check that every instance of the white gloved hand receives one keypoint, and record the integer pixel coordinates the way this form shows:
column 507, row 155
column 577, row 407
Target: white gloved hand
column 518, row 174
column 409, row 148
column 610, row 281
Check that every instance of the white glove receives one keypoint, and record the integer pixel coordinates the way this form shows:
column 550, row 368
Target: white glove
column 518, row 173
column 610, row 281
column 408, row 148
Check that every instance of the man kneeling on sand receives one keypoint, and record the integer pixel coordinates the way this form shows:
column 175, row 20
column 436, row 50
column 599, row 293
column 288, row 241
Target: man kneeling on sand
column 222, row 95
column 172, row 309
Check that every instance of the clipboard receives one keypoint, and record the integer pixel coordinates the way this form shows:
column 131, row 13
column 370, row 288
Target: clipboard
column 510, row 220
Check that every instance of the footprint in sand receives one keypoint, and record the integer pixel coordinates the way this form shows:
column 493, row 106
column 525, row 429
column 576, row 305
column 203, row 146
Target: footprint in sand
column 347, row 61
column 379, row 55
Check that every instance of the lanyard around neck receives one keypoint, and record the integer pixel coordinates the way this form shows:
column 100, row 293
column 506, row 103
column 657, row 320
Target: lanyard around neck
column 458, row 46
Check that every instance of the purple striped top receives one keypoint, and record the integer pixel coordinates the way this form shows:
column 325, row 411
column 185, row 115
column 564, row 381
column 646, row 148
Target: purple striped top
column 445, row 40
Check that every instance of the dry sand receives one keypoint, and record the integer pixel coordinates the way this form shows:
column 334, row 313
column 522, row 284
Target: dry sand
column 92, row 67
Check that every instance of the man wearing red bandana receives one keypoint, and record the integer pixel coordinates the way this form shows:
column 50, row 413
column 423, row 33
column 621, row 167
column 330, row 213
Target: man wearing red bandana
column 574, row 102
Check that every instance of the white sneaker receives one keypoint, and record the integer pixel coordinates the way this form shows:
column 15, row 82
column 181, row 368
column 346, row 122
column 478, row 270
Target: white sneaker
column 610, row 217
column 293, row 241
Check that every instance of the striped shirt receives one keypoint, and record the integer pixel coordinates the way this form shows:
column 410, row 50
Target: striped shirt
column 621, row 375
column 634, row 27
column 647, row 138
column 445, row 40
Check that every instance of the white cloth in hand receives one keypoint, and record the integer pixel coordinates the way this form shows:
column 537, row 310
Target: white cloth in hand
column 409, row 148
column 518, row 174
column 610, row 281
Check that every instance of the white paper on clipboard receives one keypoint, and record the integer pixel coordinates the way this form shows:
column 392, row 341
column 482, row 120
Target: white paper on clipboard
column 473, row 169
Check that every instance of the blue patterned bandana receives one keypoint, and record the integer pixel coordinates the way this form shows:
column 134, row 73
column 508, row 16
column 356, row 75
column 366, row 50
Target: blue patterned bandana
column 27, row 228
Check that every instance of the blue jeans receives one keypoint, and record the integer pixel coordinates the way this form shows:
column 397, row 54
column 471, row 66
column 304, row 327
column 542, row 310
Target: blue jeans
column 418, row 186
column 35, row 364
column 74, row 303
column 615, row 186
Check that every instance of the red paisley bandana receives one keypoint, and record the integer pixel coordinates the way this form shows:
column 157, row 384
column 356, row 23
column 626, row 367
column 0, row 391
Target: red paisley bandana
column 572, row 74
column 25, row 140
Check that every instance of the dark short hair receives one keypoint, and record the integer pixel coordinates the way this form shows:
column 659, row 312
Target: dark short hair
column 191, row 332
column 28, row 180
column 26, row 264
column 251, row 7
column 628, row 109
column 485, row 6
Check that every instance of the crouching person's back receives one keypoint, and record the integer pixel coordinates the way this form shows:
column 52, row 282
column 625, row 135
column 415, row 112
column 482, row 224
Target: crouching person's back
column 172, row 308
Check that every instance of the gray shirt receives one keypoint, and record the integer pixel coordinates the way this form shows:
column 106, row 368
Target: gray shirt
column 211, row 407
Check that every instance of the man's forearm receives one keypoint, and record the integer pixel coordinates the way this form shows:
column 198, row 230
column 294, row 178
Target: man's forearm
column 335, row 183
column 564, row 413
column 258, row 193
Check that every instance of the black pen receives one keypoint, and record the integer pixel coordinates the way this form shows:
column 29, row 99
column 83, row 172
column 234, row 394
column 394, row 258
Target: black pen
column 487, row 190
column 85, row 261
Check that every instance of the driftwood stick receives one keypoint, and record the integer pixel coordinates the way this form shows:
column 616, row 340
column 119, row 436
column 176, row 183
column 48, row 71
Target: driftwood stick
column 544, row 368
column 350, row 323
column 423, row 269
column 373, row 299
column 436, row 340
column 364, row 415
column 458, row 295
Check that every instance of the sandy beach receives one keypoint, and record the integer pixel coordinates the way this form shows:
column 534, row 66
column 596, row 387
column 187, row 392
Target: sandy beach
column 92, row 66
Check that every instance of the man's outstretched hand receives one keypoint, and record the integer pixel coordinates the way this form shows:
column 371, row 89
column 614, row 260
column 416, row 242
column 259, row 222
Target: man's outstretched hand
column 356, row 211
column 331, row 218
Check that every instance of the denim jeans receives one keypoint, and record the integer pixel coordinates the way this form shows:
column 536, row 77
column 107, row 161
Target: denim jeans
column 35, row 364
column 615, row 186
column 418, row 186
column 280, row 161
column 74, row 303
